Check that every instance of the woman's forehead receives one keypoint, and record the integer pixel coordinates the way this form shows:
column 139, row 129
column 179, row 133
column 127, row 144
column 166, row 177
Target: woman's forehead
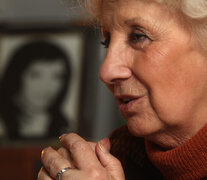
column 122, row 12
column 107, row 4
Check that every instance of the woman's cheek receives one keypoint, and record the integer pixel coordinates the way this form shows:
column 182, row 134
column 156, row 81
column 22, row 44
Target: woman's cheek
column 171, row 107
column 166, row 95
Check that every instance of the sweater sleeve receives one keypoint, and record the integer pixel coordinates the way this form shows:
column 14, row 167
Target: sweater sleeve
column 130, row 150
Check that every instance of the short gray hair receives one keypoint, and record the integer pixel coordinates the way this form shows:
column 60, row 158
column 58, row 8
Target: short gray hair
column 196, row 9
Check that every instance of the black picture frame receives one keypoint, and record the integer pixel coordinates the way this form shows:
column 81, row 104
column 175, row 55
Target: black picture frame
column 71, row 40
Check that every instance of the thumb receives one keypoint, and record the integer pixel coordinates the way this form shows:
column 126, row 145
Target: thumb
column 111, row 163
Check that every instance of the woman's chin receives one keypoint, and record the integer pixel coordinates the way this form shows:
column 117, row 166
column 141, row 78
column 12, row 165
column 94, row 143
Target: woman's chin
column 141, row 126
column 141, row 130
column 152, row 133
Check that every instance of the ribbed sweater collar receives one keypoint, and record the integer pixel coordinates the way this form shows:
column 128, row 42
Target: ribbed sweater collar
column 186, row 162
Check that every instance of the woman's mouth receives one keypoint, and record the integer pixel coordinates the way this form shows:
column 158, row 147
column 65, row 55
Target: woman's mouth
column 126, row 102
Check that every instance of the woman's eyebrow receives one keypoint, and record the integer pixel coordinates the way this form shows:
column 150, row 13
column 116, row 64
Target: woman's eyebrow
column 141, row 22
column 136, row 20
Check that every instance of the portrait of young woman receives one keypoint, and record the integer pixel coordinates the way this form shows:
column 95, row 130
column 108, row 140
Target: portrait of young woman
column 32, row 89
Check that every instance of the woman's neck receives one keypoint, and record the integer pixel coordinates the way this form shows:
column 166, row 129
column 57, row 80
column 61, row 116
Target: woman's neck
column 187, row 161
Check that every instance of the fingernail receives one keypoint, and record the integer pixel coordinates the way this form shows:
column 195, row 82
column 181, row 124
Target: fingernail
column 102, row 147
column 61, row 137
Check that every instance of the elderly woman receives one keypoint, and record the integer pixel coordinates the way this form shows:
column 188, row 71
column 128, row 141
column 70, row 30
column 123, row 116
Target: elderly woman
column 156, row 68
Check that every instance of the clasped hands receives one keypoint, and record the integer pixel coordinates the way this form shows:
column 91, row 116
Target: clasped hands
column 89, row 161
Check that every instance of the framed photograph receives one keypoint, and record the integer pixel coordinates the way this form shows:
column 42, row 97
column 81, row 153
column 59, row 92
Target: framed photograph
column 40, row 82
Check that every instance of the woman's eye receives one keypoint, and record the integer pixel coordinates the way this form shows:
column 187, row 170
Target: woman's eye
column 138, row 39
column 106, row 42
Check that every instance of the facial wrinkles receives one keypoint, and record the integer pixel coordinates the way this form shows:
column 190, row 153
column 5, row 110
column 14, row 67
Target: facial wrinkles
column 124, row 53
column 119, row 52
column 119, row 15
column 160, row 51
column 139, row 14
column 129, row 87
column 121, row 89
column 108, row 9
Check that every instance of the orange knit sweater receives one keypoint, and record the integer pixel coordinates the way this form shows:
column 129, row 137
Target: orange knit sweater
column 186, row 162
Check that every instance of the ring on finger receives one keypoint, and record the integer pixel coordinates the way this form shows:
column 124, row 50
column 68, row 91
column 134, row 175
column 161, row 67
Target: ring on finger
column 59, row 174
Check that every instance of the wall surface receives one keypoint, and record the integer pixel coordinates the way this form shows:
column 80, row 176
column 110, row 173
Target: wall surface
column 36, row 11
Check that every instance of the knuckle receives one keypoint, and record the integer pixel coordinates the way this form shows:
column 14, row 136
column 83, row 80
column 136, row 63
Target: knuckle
column 70, row 136
column 79, row 144
column 117, row 163
column 66, row 176
column 62, row 150
column 65, row 153
column 95, row 173
column 51, row 164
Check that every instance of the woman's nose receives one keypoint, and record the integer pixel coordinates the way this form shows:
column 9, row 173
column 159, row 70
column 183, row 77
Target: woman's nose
column 115, row 66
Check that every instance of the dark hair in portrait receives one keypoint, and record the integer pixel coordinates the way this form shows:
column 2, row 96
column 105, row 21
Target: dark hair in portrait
column 11, row 86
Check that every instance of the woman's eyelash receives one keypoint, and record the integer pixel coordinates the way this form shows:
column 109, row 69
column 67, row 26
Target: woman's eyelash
column 136, row 37
column 106, row 42
column 133, row 38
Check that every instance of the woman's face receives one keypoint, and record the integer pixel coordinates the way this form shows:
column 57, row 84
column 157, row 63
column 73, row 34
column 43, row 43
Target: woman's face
column 41, row 83
column 155, row 71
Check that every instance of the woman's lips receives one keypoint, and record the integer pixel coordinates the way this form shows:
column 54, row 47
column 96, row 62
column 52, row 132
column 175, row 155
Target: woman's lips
column 126, row 102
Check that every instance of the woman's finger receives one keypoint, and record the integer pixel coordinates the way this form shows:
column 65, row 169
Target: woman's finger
column 53, row 162
column 93, row 145
column 109, row 162
column 66, row 154
column 42, row 175
column 85, row 175
column 81, row 151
